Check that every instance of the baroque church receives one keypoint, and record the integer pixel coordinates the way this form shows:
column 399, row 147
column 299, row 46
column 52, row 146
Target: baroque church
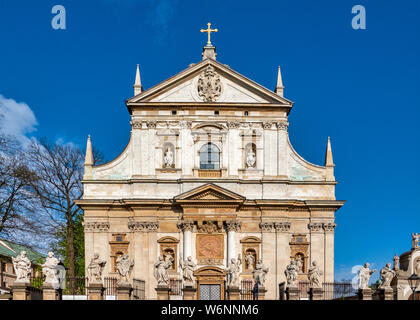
column 210, row 173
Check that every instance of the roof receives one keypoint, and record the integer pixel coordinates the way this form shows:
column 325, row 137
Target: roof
column 11, row 249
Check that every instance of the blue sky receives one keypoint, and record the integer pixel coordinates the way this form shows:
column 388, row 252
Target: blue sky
column 361, row 87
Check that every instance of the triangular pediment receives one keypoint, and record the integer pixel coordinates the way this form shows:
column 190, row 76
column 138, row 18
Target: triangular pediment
column 209, row 192
column 224, row 85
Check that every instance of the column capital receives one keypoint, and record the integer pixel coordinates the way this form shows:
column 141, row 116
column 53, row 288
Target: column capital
column 96, row 226
column 143, row 226
column 282, row 125
column 233, row 125
column 329, row 227
column 315, row 226
column 151, row 124
column 267, row 226
column 267, row 125
column 185, row 225
column 233, row 225
column 282, row 226
column 183, row 124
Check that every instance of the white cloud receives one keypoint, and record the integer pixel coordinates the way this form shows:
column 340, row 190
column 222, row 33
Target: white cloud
column 17, row 119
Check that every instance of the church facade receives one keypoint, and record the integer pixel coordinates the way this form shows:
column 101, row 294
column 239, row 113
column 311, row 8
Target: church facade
column 209, row 173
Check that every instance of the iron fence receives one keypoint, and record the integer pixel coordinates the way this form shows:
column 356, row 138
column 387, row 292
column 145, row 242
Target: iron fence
column 139, row 292
column 331, row 290
column 110, row 284
column 246, row 290
column 176, row 289
column 75, row 286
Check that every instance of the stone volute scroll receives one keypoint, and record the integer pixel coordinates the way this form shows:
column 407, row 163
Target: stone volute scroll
column 124, row 267
column 95, row 269
column 364, row 275
column 259, row 273
column 314, row 274
column 209, row 85
column 22, row 267
column 49, row 269
column 387, row 274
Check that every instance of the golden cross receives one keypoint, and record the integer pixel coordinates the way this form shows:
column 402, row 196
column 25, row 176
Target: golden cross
column 208, row 30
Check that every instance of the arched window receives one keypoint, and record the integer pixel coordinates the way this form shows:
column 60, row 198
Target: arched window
column 209, row 157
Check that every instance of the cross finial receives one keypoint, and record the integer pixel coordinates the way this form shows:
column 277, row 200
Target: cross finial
column 209, row 30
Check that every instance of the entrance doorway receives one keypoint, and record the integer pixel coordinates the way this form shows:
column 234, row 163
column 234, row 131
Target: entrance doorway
column 210, row 292
column 210, row 283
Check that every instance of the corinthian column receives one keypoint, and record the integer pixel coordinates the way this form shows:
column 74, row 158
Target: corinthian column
column 187, row 227
column 232, row 227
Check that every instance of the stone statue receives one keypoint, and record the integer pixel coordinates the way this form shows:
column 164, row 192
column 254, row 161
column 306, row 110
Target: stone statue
column 415, row 240
column 364, row 276
column 259, row 273
column 291, row 273
column 168, row 158
column 124, row 267
column 249, row 259
column 95, row 268
column 233, row 271
column 22, row 266
column 250, row 158
column 314, row 273
column 387, row 274
column 160, row 272
column 396, row 262
column 49, row 269
column 188, row 266
column 299, row 264
column 417, row 268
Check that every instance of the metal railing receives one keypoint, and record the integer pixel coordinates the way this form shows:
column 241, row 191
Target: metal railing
column 139, row 291
column 75, row 286
column 176, row 288
column 246, row 290
column 331, row 290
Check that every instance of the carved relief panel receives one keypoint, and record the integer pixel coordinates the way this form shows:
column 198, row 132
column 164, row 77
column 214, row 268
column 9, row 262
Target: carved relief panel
column 210, row 248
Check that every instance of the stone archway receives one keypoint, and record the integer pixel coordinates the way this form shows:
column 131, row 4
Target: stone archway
column 210, row 283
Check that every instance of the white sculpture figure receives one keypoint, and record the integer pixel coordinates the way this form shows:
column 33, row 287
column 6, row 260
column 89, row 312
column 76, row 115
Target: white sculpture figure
column 259, row 273
column 291, row 273
column 124, row 267
column 415, row 240
column 250, row 158
column 188, row 266
column 95, row 268
column 168, row 158
column 49, row 269
column 234, row 270
column 22, row 266
column 314, row 273
column 364, row 276
column 396, row 262
column 299, row 264
column 249, row 259
column 161, row 271
column 387, row 274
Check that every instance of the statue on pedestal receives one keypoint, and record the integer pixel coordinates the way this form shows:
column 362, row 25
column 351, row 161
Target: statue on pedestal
column 250, row 158
column 387, row 274
column 259, row 273
column 160, row 272
column 168, row 158
column 299, row 264
column 364, row 276
column 124, row 267
column 22, row 266
column 291, row 273
column 415, row 240
column 49, row 269
column 233, row 271
column 249, row 259
column 188, row 266
column 396, row 262
column 314, row 274
column 95, row 268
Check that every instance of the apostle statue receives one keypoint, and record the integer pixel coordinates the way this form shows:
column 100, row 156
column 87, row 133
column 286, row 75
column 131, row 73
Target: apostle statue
column 95, row 268
column 387, row 274
column 234, row 270
column 168, row 158
column 364, row 276
column 314, row 273
column 249, row 259
column 299, row 264
column 22, row 266
column 259, row 273
column 396, row 262
column 160, row 272
column 291, row 273
column 250, row 158
column 415, row 240
column 188, row 266
column 124, row 267
column 49, row 269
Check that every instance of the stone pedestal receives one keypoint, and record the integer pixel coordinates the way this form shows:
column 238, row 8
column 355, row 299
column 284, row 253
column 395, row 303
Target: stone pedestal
column 261, row 293
column 21, row 291
column 292, row 293
column 316, row 293
column 124, row 291
column 189, row 292
column 49, row 292
column 365, row 294
column 96, row 291
column 234, row 293
column 386, row 294
column 162, row 292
